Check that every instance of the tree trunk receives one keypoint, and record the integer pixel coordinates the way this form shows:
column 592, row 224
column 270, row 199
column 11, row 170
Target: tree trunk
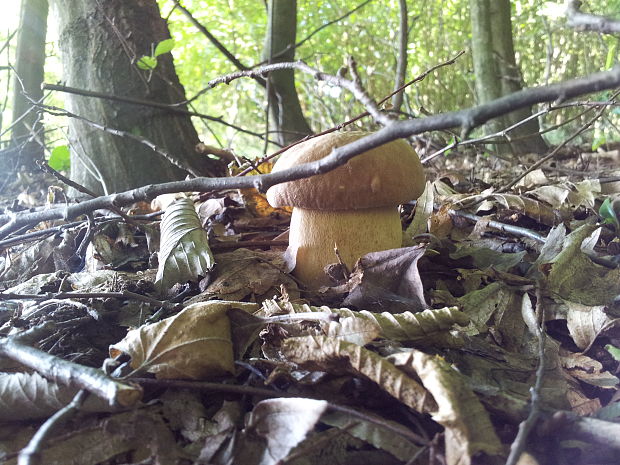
column 285, row 110
column 100, row 43
column 511, row 81
column 27, row 139
column 496, row 70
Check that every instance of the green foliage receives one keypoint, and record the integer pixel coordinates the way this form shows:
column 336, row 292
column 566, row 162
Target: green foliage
column 607, row 212
column 149, row 62
column 60, row 158
column 546, row 50
column 614, row 351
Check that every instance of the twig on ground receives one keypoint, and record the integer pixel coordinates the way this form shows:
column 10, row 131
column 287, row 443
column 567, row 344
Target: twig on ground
column 535, row 323
column 30, row 455
column 507, row 228
column 65, row 372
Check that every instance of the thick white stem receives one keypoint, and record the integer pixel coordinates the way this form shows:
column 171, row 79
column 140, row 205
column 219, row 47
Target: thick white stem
column 314, row 233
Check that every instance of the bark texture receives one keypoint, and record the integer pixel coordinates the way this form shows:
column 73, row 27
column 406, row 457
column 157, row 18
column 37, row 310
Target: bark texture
column 285, row 110
column 27, row 139
column 100, row 42
column 497, row 72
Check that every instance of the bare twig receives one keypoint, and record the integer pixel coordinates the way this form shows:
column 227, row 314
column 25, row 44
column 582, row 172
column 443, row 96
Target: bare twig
column 169, row 107
column 587, row 22
column 30, row 455
column 507, row 228
column 68, row 373
column 536, row 324
column 233, row 59
column 554, row 152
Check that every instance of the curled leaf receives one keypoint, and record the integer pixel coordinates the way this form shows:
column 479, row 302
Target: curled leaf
column 326, row 354
column 184, row 253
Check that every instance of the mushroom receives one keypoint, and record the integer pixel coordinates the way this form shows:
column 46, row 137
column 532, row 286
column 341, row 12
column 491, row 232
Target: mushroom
column 353, row 207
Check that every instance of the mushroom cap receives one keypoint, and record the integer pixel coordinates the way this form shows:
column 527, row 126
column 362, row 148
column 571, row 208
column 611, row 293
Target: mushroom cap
column 387, row 175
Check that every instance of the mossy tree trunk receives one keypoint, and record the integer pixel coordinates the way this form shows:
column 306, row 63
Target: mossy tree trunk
column 100, row 43
column 27, row 138
column 286, row 115
column 497, row 72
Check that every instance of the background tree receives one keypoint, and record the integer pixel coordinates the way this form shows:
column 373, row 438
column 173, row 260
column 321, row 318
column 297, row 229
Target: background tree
column 497, row 72
column 27, row 138
column 100, row 44
column 285, row 110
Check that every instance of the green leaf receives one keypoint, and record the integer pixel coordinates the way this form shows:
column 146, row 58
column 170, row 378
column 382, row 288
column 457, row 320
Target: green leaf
column 611, row 54
column 596, row 143
column 606, row 211
column 147, row 63
column 164, row 47
column 60, row 158
column 614, row 351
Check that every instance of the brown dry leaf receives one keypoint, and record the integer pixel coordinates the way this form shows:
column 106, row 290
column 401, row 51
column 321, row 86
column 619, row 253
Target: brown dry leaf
column 573, row 276
column 194, row 344
column 469, row 430
column 388, row 280
column 283, row 423
column 325, row 354
column 406, row 326
column 27, row 396
column 585, row 322
column 248, row 273
column 354, row 330
column 531, row 208
column 588, row 370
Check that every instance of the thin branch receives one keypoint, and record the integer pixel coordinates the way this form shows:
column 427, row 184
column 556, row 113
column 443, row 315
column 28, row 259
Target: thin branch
column 65, row 372
column 536, row 325
column 234, row 60
column 172, row 108
column 401, row 64
column 30, row 455
column 587, row 22
column 507, row 228
column 355, row 88
column 554, row 152
column 329, row 23
column 466, row 119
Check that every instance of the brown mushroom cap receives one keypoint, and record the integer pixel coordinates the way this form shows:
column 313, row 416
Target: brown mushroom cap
column 387, row 175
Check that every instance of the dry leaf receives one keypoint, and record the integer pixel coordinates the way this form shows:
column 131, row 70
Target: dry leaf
column 469, row 430
column 194, row 344
column 573, row 276
column 184, row 254
column 388, row 280
column 325, row 354
column 406, row 326
column 283, row 423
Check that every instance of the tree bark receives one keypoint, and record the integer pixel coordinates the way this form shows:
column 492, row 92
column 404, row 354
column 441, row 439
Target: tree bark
column 100, row 43
column 285, row 109
column 27, row 138
column 497, row 73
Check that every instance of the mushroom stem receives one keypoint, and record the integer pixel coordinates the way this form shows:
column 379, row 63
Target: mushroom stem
column 314, row 233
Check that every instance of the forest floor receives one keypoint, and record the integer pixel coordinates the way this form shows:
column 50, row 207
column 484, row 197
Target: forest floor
column 498, row 317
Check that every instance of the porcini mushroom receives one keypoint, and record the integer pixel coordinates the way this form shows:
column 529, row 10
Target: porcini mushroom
column 353, row 207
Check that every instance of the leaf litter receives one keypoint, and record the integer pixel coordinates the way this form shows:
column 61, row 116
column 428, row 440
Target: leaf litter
column 417, row 354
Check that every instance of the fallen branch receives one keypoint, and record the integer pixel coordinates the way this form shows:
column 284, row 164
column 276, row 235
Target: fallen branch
column 588, row 22
column 466, row 119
